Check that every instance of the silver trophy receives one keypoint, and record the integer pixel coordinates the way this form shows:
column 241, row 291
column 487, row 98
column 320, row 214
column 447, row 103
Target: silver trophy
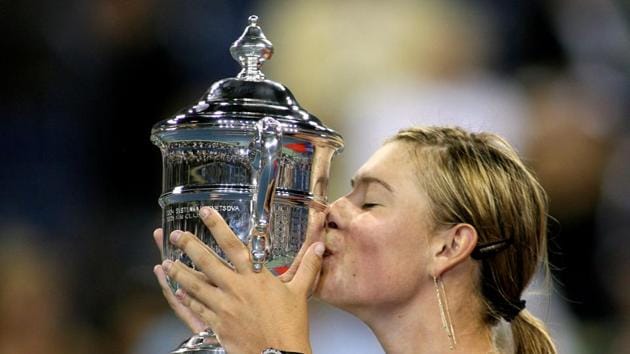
column 248, row 150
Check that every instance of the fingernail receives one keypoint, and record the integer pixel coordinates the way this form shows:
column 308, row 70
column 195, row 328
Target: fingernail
column 180, row 294
column 204, row 212
column 175, row 235
column 166, row 265
column 319, row 249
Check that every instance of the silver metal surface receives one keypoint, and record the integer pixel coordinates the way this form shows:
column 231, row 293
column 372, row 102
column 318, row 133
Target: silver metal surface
column 251, row 50
column 201, row 343
column 250, row 151
column 265, row 181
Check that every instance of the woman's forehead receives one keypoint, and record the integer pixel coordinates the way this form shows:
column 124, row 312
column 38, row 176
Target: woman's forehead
column 390, row 162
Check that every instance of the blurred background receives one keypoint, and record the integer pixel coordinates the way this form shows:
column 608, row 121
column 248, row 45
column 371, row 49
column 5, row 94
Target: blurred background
column 82, row 82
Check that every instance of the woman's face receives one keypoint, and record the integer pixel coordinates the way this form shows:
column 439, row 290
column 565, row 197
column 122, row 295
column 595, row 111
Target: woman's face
column 376, row 237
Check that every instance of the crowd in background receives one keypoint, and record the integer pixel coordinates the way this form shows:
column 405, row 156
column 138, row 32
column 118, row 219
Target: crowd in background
column 84, row 81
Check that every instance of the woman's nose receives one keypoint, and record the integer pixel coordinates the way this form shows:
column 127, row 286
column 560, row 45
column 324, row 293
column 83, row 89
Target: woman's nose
column 336, row 212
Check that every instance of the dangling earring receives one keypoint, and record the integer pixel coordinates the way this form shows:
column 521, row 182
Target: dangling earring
column 447, row 323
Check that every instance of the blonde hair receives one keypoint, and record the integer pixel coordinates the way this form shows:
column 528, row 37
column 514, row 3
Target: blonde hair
column 478, row 179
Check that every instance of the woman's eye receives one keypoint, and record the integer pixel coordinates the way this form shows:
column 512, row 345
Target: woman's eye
column 368, row 205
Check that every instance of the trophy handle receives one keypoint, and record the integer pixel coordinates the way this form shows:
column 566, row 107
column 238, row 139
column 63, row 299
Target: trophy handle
column 267, row 166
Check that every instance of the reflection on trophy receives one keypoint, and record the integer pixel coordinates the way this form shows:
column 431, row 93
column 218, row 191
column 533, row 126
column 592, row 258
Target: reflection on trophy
column 248, row 150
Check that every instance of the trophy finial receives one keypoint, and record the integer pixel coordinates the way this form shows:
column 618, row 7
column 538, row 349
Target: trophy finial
column 251, row 49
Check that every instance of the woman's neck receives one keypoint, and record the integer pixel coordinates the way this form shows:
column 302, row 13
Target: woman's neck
column 416, row 325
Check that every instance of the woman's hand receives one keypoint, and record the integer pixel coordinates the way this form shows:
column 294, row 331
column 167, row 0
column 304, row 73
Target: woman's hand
column 248, row 311
column 184, row 313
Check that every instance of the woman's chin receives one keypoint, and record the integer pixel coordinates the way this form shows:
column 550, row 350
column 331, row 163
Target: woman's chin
column 326, row 290
column 322, row 290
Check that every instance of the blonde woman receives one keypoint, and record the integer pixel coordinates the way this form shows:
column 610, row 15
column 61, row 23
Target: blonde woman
column 432, row 248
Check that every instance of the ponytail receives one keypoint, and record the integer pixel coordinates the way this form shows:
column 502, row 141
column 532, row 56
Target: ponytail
column 478, row 179
column 530, row 336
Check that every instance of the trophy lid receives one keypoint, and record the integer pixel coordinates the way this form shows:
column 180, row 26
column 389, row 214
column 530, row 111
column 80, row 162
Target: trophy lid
column 239, row 102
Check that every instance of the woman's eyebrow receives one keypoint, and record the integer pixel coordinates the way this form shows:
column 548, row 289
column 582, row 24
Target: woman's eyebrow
column 371, row 179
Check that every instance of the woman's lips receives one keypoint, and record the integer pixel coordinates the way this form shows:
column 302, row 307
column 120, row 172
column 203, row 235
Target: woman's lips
column 331, row 244
column 330, row 249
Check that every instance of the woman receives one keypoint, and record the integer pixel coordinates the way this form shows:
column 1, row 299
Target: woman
column 432, row 249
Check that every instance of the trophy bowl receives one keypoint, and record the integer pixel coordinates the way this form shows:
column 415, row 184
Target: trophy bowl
column 248, row 150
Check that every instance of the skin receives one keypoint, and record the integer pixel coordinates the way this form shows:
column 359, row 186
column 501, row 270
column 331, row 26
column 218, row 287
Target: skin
column 221, row 297
column 380, row 261
column 375, row 234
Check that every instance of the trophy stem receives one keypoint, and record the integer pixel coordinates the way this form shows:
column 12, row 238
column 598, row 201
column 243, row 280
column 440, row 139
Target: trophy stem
column 205, row 342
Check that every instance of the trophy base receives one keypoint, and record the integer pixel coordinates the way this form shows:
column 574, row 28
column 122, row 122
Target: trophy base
column 205, row 342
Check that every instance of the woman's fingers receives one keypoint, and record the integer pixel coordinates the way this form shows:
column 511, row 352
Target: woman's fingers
column 202, row 256
column 158, row 237
column 233, row 247
column 198, row 308
column 308, row 269
column 314, row 232
column 184, row 313
column 290, row 273
column 189, row 281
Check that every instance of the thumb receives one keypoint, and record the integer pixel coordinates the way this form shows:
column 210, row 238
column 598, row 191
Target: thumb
column 309, row 268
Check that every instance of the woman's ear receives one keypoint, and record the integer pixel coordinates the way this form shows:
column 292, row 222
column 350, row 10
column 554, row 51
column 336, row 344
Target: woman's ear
column 452, row 247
